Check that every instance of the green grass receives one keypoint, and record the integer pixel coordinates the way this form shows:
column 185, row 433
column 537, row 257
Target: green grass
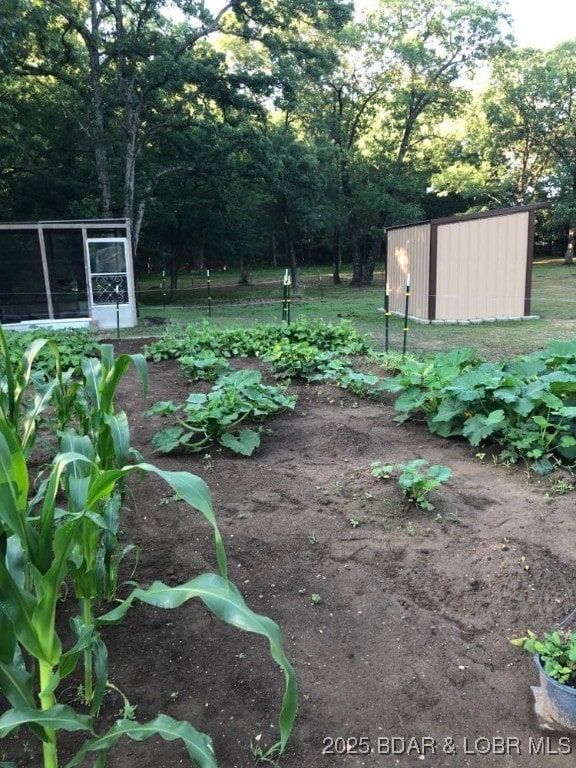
column 553, row 300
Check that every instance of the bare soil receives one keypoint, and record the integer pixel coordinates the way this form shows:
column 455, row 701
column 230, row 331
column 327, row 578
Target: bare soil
column 410, row 639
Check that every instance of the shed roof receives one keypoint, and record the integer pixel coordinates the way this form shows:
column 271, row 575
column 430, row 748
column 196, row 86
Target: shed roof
column 478, row 215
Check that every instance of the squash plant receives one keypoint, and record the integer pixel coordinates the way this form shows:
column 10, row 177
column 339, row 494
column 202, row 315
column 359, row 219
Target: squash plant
column 342, row 339
column 214, row 417
column 416, row 479
column 527, row 405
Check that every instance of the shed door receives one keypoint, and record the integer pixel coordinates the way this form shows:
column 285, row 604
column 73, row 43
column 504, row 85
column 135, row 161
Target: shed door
column 108, row 273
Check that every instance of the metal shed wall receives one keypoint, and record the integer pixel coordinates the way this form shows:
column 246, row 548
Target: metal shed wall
column 409, row 253
column 481, row 268
column 464, row 268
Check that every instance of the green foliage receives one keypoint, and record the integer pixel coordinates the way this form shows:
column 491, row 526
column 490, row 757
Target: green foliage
column 40, row 543
column 339, row 371
column 422, row 383
column 213, row 417
column 25, row 392
column 299, row 360
column 73, row 344
column 557, row 652
column 204, row 365
column 195, row 340
column 67, row 533
column 390, row 361
column 527, row 405
column 416, row 479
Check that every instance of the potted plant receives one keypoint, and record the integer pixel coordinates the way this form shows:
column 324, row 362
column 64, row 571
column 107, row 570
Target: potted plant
column 555, row 658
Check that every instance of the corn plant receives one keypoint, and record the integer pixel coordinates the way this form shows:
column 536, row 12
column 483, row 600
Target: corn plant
column 102, row 436
column 39, row 545
column 94, row 404
column 25, row 392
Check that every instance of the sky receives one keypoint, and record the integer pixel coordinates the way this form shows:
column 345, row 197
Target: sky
column 536, row 23
column 543, row 23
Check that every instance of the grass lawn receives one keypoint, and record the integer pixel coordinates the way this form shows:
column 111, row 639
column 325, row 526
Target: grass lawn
column 553, row 301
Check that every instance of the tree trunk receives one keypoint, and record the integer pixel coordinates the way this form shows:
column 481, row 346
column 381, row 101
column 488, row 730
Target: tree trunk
column 337, row 263
column 369, row 264
column 131, row 111
column 176, row 255
column 289, row 246
column 352, row 222
column 291, row 255
column 202, row 253
column 569, row 255
column 244, row 278
column 98, row 128
column 374, row 255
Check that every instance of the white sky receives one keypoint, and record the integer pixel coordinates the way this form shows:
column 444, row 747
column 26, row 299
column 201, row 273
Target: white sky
column 543, row 23
column 537, row 23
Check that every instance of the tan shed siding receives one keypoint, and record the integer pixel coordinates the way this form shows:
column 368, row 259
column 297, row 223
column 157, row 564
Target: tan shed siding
column 409, row 252
column 481, row 268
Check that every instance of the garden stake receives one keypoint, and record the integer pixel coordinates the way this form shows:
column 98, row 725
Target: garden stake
column 386, row 315
column 406, row 313
column 286, row 297
column 164, row 290
column 117, row 290
column 209, row 294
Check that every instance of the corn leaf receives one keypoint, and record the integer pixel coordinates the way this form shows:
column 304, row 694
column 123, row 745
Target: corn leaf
column 225, row 601
column 198, row 745
column 57, row 717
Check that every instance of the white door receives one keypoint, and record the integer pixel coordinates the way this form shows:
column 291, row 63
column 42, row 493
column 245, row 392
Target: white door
column 111, row 285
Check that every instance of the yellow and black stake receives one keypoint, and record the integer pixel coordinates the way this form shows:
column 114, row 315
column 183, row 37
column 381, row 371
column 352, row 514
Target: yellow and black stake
column 406, row 313
column 117, row 292
column 286, row 301
column 386, row 315
column 209, row 293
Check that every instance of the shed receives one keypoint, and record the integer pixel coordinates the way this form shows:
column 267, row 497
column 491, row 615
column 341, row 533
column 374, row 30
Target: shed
column 67, row 274
column 464, row 268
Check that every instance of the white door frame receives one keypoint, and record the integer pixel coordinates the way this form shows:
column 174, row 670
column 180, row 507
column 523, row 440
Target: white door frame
column 108, row 314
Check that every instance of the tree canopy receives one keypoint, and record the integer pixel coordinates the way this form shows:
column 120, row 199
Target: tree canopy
column 252, row 131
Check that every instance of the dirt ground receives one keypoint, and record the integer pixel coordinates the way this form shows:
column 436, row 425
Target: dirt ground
column 405, row 661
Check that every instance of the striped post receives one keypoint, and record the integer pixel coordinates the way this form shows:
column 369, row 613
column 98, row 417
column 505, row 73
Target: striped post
column 209, row 293
column 406, row 313
column 386, row 316
column 286, row 283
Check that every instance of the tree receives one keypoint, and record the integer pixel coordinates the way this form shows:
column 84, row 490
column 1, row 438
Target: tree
column 404, row 76
column 142, row 75
column 518, row 143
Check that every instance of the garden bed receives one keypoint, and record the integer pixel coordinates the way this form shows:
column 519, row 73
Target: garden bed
column 397, row 620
